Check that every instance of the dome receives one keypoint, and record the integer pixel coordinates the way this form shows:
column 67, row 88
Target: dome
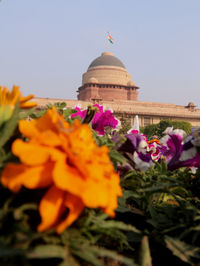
column 92, row 80
column 106, row 59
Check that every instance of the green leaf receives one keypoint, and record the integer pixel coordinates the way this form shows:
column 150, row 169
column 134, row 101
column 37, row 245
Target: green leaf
column 49, row 105
column 19, row 212
column 68, row 112
column 60, row 105
column 120, row 226
column 102, row 252
column 6, row 252
column 92, row 253
column 184, row 251
column 69, row 260
column 115, row 156
column 8, row 128
column 38, row 114
column 3, row 156
column 145, row 255
column 26, row 113
column 156, row 188
column 47, row 251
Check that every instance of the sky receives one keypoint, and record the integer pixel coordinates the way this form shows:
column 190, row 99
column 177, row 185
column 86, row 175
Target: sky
column 46, row 45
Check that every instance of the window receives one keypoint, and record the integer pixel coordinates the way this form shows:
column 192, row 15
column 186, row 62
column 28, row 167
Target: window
column 147, row 121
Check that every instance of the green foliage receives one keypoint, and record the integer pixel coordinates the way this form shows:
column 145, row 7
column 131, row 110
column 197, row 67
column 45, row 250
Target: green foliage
column 141, row 129
column 152, row 130
column 157, row 219
column 7, row 128
column 165, row 206
column 125, row 125
column 145, row 256
column 186, row 126
column 61, row 107
column 185, row 252
column 8, row 132
column 157, row 129
column 93, row 237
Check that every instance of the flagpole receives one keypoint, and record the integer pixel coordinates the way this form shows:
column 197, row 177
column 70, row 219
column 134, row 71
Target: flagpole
column 107, row 44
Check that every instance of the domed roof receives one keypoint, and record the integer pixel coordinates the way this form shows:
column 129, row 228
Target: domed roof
column 106, row 59
column 92, row 80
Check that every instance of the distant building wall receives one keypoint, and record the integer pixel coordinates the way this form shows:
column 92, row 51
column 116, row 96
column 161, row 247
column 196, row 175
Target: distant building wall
column 107, row 92
column 148, row 112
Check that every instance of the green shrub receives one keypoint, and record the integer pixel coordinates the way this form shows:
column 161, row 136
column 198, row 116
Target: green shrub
column 158, row 129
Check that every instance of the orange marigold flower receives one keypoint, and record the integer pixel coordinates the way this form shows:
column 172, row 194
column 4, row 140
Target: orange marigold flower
column 8, row 101
column 10, row 98
column 65, row 159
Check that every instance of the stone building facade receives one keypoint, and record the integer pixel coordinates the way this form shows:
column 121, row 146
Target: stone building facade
column 107, row 82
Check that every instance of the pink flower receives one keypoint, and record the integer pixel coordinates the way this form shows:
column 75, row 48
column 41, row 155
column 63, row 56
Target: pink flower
column 80, row 113
column 100, row 120
column 133, row 131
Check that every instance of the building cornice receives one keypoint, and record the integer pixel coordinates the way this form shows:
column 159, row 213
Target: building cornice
column 107, row 85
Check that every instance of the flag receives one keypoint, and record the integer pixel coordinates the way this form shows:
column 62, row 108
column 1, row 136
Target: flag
column 110, row 38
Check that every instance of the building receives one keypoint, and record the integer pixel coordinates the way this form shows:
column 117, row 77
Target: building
column 107, row 82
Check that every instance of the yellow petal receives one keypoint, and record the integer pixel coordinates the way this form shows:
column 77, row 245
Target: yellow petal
column 14, row 176
column 50, row 208
column 75, row 206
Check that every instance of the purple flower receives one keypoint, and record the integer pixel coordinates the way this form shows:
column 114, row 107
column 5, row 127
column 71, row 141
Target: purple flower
column 179, row 150
column 135, row 149
column 155, row 150
column 143, row 160
column 134, row 142
column 100, row 120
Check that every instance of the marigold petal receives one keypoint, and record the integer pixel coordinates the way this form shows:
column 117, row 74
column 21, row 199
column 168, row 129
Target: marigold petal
column 25, row 99
column 14, row 176
column 96, row 194
column 27, row 105
column 14, row 95
column 75, row 206
column 28, row 128
column 50, row 121
column 30, row 153
column 50, row 138
column 68, row 178
column 115, row 191
column 50, row 208
column 31, row 131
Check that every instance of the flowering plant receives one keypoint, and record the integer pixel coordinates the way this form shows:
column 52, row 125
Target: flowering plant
column 55, row 175
column 101, row 119
column 74, row 193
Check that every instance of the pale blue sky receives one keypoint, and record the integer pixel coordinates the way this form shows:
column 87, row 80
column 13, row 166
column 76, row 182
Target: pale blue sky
column 46, row 45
